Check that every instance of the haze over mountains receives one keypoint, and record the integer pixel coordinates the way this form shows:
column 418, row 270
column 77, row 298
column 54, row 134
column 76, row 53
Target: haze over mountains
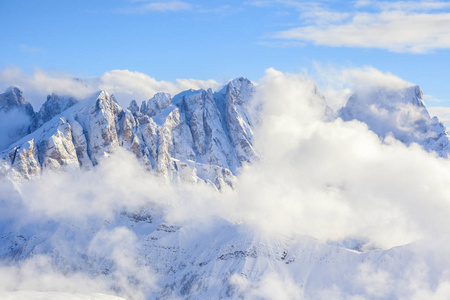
column 253, row 191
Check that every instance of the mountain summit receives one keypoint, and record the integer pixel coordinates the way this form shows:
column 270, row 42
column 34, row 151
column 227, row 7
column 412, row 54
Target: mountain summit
column 401, row 113
column 195, row 135
column 147, row 241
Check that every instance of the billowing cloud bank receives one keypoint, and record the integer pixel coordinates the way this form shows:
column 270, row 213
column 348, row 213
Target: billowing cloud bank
column 124, row 84
column 332, row 180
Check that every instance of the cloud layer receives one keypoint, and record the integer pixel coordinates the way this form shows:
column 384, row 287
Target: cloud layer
column 329, row 179
column 124, row 84
column 397, row 26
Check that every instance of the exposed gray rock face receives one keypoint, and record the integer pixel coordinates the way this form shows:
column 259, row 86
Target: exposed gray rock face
column 238, row 122
column 196, row 135
column 156, row 104
column 189, row 135
column 400, row 112
column 54, row 106
column 17, row 117
column 12, row 99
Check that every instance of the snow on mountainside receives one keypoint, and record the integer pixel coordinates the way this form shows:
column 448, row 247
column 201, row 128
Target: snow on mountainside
column 196, row 135
column 400, row 112
column 138, row 250
column 135, row 244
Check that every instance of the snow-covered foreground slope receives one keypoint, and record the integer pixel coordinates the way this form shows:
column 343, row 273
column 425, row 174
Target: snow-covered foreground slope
column 142, row 254
column 319, row 208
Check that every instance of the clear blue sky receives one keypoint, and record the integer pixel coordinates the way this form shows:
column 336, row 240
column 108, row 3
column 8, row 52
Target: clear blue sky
column 226, row 39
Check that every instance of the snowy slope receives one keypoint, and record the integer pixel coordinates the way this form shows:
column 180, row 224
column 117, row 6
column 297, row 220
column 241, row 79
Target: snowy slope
column 161, row 260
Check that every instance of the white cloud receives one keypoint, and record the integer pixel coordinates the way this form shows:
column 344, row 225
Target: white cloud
column 431, row 99
column 37, row 274
column 426, row 5
column 331, row 180
column 127, row 85
column 39, row 84
column 377, row 283
column 124, row 84
column 12, row 124
column 271, row 286
column 398, row 26
column 327, row 173
column 443, row 114
column 394, row 31
column 338, row 83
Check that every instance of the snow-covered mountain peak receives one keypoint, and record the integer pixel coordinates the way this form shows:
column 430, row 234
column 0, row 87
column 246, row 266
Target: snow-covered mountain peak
column 156, row 104
column 400, row 112
column 55, row 105
column 388, row 97
column 197, row 135
column 14, row 94
column 415, row 95
column 13, row 89
column 13, row 98
column 102, row 99
column 240, row 86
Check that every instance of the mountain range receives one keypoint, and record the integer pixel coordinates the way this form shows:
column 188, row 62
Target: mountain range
column 195, row 137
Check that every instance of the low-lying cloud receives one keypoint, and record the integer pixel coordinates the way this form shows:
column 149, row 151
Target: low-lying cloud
column 319, row 177
column 124, row 84
column 338, row 83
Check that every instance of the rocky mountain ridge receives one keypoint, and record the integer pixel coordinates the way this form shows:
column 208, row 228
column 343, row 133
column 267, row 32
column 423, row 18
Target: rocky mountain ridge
column 193, row 136
column 400, row 112
column 196, row 135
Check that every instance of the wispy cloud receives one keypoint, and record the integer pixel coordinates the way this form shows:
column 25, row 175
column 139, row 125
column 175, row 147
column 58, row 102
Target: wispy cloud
column 443, row 114
column 30, row 49
column 432, row 99
column 398, row 26
column 404, row 5
column 157, row 6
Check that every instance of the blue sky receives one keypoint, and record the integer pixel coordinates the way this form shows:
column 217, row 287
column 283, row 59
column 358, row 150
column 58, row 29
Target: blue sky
column 224, row 39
